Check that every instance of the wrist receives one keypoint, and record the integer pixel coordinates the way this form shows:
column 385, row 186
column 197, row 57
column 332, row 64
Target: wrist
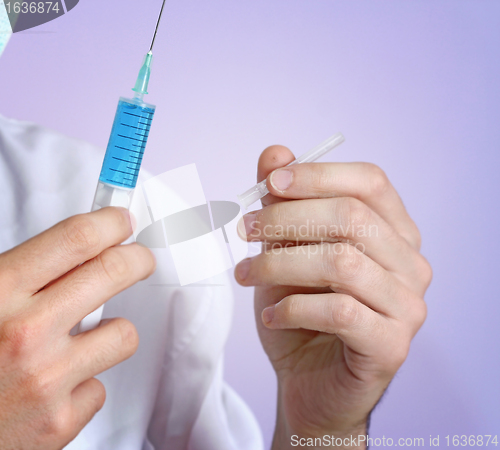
column 291, row 434
column 285, row 439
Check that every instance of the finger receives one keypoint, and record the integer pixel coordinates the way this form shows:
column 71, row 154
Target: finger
column 33, row 264
column 87, row 399
column 338, row 266
column 272, row 158
column 86, row 288
column 364, row 181
column 331, row 220
column 357, row 325
column 95, row 351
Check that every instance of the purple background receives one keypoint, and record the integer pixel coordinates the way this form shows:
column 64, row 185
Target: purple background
column 413, row 85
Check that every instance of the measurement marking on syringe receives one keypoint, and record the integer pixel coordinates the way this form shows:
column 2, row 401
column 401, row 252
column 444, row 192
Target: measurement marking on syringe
column 120, row 171
column 126, row 160
column 113, row 181
column 135, row 115
column 137, row 159
column 131, row 126
column 146, row 115
column 128, row 150
column 134, row 139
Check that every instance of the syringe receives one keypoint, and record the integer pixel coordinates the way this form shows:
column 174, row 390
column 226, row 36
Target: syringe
column 260, row 189
column 123, row 158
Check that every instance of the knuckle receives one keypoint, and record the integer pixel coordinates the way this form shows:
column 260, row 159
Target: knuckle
column 95, row 395
column 114, row 265
column 378, row 180
column 149, row 258
column 20, row 335
column 99, row 394
column 419, row 313
column 120, row 218
column 122, row 342
column 59, row 422
column 345, row 312
column 81, row 235
column 424, row 271
column 344, row 264
column 357, row 213
column 127, row 335
column 288, row 308
column 39, row 386
column 399, row 354
column 416, row 237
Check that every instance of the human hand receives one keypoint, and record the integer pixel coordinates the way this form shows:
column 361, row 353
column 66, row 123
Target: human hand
column 47, row 390
column 335, row 321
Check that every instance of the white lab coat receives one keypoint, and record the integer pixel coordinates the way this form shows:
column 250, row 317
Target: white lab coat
column 170, row 394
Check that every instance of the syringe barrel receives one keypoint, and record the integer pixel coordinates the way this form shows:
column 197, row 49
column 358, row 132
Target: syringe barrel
column 109, row 195
column 127, row 142
column 121, row 166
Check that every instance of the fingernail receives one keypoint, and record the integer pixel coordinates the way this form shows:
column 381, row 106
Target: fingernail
column 246, row 224
column 268, row 315
column 281, row 179
column 243, row 268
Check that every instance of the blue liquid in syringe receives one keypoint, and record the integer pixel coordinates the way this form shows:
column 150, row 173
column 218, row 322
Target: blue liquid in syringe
column 127, row 142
